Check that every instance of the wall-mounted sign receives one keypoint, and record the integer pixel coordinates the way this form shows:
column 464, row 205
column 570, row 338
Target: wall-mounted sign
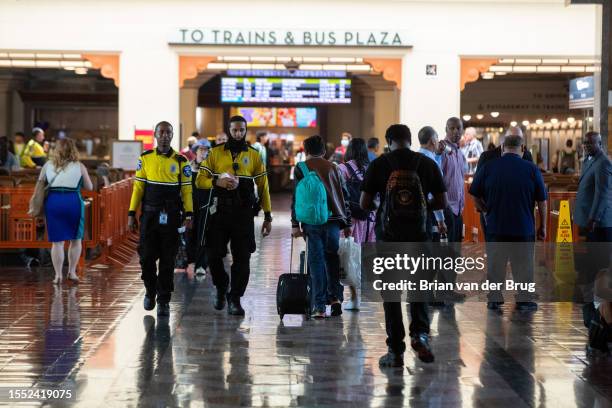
column 125, row 154
column 146, row 136
column 582, row 93
column 284, row 37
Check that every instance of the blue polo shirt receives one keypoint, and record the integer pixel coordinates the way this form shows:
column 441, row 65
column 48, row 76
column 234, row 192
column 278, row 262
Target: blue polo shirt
column 510, row 187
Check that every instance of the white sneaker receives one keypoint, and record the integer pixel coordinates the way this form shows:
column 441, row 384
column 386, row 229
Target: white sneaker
column 352, row 305
column 200, row 271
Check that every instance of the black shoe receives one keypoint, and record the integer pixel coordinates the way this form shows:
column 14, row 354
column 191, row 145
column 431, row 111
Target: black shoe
column 494, row 305
column 526, row 306
column 336, row 309
column 234, row 308
column 163, row 309
column 220, row 298
column 149, row 303
column 420, row 344
column 391, row 360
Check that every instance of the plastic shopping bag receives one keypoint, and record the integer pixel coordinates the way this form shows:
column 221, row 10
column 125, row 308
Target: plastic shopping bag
column 350, row 262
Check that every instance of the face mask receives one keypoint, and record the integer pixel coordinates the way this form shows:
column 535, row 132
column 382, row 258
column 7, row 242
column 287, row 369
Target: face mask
column 344, row 142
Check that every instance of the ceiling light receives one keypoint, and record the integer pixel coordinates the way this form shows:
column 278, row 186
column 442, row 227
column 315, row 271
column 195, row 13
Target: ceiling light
column 3, row 54
column 554, row 121
column 501, row 73
column 283, row 59
column 488, row 75
column 311, row 67
column 21, row 55
column 80, row 71
column 479, row 116
column 525, row 123
column 506, row 61
column 528, row 61
column 513, row 123
column 342, row 59
column 558, row 61
column 494, row 114
column 239, row 66
column 263, row 59
column 334, row 67
column 500, row 68
column 24, row 63
column 585, row 61
column 571, row 119
column 365, row 68
column 592, row 69
column 5, row 63
column 47, row 64
column 573, row 69
column 539, row 121
column 237, row 59
column 261, row 66
column 467, row 117
column 315, row 59
column 549, row 68
column 49, row 56
column 216, row 65
column 524, row 68
column 72, row 56
column 69, row 68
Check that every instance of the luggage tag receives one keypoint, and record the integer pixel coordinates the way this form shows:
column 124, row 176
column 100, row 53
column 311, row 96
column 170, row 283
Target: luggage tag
column 163, row 218
column 213, row 207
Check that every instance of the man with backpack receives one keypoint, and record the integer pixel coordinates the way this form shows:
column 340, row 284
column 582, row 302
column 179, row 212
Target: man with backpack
column 403, row 179
column 319, row 206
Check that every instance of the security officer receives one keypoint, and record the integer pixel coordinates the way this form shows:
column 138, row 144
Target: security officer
column 232, row 169
column 163, row 187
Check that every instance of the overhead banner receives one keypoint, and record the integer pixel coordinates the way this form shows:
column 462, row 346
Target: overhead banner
column 285, row 37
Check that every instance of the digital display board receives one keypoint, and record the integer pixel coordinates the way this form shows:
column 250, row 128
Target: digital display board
column 285, row 90
column 277, row 117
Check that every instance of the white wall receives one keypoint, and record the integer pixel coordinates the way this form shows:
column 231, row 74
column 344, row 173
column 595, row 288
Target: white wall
column 440, row 31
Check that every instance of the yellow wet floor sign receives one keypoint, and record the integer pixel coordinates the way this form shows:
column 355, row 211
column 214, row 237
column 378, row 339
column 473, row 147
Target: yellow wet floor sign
column 564, row 228
column 564, row 273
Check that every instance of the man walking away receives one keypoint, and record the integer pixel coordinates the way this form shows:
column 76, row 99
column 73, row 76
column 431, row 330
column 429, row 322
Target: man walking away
column 323, row 235
column 401, row 163
column 506, row 191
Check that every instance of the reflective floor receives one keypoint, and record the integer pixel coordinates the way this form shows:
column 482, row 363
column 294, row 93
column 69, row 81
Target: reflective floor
column 97, row 338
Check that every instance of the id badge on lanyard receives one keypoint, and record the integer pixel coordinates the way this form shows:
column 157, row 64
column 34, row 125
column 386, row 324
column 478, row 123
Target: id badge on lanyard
column 163, row 218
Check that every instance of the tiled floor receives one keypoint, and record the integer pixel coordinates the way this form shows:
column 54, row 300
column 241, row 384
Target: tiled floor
column 96, row 338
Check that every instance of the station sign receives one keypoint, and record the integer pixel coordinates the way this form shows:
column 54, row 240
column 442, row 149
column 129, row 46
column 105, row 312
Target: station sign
column 286, row 37
column 582, row 93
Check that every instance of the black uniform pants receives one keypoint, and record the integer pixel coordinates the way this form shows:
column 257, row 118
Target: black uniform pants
column 394, row 324
column 236, row 227
column 158, row 242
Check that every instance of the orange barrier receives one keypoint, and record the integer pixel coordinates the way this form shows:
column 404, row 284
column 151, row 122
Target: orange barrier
column 471, row 217
column 105, row 218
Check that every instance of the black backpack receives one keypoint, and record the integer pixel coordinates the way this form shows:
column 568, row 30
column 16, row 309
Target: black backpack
column 404, row 212
column 353, row 185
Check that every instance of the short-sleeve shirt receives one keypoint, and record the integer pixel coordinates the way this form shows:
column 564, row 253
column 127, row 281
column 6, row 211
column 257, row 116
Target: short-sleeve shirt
column 510, row 187
column 375, row 179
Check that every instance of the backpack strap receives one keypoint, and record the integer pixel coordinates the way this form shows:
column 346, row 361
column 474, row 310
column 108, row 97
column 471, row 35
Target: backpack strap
column 303, row 168
column 353, row 171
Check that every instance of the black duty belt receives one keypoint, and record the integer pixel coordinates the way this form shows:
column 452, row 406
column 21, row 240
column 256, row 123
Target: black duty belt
column 157, row 208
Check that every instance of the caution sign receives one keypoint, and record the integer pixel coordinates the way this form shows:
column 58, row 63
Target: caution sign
column 564, row 273
column 564, row 229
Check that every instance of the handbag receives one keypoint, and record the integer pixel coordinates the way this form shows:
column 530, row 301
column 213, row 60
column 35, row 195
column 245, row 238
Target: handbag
column 37, row 201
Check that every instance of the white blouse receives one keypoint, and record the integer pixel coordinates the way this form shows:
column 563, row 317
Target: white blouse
column 68, row 177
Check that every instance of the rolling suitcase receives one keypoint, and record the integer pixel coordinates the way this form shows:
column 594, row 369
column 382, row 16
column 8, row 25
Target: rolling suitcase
column 293, row 292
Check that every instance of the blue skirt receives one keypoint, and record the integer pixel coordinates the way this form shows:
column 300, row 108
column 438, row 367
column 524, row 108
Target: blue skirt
column 65, row 215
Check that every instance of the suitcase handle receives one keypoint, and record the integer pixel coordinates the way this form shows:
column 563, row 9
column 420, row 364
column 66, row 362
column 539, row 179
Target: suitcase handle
column 305, row 257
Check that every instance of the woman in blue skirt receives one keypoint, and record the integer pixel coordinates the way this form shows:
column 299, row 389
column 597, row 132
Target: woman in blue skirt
column 64, row 206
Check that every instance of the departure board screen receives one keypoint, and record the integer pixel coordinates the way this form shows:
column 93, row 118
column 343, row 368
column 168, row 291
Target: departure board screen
column 286, row 90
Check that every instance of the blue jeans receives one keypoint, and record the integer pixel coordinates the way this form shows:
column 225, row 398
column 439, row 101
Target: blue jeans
column 324, row 263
